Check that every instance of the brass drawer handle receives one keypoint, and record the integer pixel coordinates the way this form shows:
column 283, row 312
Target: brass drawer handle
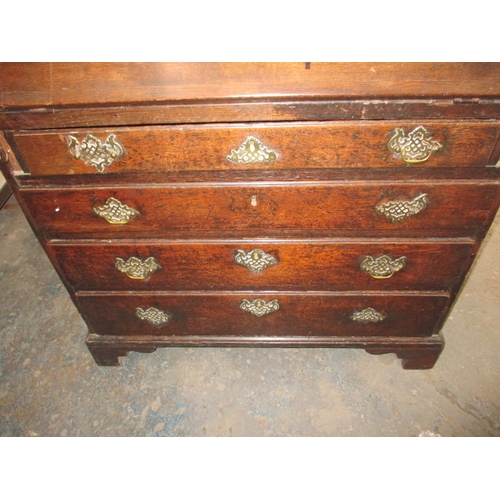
column 116, row 212
column 415, row 147
column 368, row 315
column 256, row 260
column 94, row 152
column 252, row 151
column 260, row 307
column 153, row 315
column 397, row 211
column 383, row 266
column 136, row 268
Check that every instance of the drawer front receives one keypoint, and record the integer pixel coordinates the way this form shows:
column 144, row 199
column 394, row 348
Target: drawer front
column 389, row 209
column 241, row 146
column 257, row 265
column 263, row 314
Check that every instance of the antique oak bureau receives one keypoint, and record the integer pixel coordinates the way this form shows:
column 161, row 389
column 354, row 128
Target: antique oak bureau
column 256, row 204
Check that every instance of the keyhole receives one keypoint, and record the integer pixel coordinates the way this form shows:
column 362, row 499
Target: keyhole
column 253, row 202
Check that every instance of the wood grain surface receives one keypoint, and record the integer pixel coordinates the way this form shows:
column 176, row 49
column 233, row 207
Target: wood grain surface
column 302, row 265
column 297, row 145
column 58, row 84
column 315, row 208
column 266, row 208
column 298, row 315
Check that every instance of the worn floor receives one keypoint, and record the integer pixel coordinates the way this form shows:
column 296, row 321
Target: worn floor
column 50, row 385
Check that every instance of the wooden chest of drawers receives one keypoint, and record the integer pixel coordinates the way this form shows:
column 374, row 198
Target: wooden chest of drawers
column 334, row 205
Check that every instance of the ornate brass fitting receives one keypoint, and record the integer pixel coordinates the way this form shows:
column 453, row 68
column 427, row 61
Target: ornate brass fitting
column 382, row 267
column 256, row 260
column 136, row 268
column 260, row 307
column 397, row 211
column 153, row 315
column 116, row 212
column 95, row 153
column 252, row 151
column 415, row 147
column 368, row 315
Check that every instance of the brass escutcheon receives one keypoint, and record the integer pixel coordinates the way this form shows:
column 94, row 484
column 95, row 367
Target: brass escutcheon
column 116, row 212
column 397, row 211
column 252, row 151
column 382, row 267
column 95, row 153
column 153, row 315
column 256, row 260
column 415, row 147
column 136, row 268
column 260, row 307
column 368, row 315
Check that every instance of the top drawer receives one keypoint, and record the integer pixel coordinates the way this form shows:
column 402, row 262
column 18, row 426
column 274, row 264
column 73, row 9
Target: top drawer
column 243, row 146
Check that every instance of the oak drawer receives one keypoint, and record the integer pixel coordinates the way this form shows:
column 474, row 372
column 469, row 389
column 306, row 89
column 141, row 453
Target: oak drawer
column 258, row 265
column 243, row 146
column 378, row 209
column 263, row 314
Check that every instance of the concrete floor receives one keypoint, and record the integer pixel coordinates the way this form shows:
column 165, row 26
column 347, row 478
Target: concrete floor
column 50, row 385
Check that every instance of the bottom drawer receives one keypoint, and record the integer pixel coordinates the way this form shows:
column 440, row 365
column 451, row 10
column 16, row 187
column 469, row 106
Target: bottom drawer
column 263, row 314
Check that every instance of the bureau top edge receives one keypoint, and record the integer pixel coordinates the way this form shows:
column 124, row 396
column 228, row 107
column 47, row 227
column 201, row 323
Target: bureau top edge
column 247, row 111
column 39, row 84
column 46, row 95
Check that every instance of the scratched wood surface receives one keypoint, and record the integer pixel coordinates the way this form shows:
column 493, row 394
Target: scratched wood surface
column 56, row 84
column 56, row 95
column 301, row 265
column 220, row 314
column 265, row 208
column 297, row 145
column 314, row 208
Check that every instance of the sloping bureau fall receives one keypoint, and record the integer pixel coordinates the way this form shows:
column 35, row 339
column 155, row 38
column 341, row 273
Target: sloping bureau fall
column 256, row 204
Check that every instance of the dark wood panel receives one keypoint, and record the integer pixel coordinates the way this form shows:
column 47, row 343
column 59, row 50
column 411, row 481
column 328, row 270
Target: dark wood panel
column 44, row 84
column 298, row 315
column 227, row 112
column 452, row 209
column 299, row 266
column 354, row 176
column 416, row 353
column 298, row 145
column 179, row 122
